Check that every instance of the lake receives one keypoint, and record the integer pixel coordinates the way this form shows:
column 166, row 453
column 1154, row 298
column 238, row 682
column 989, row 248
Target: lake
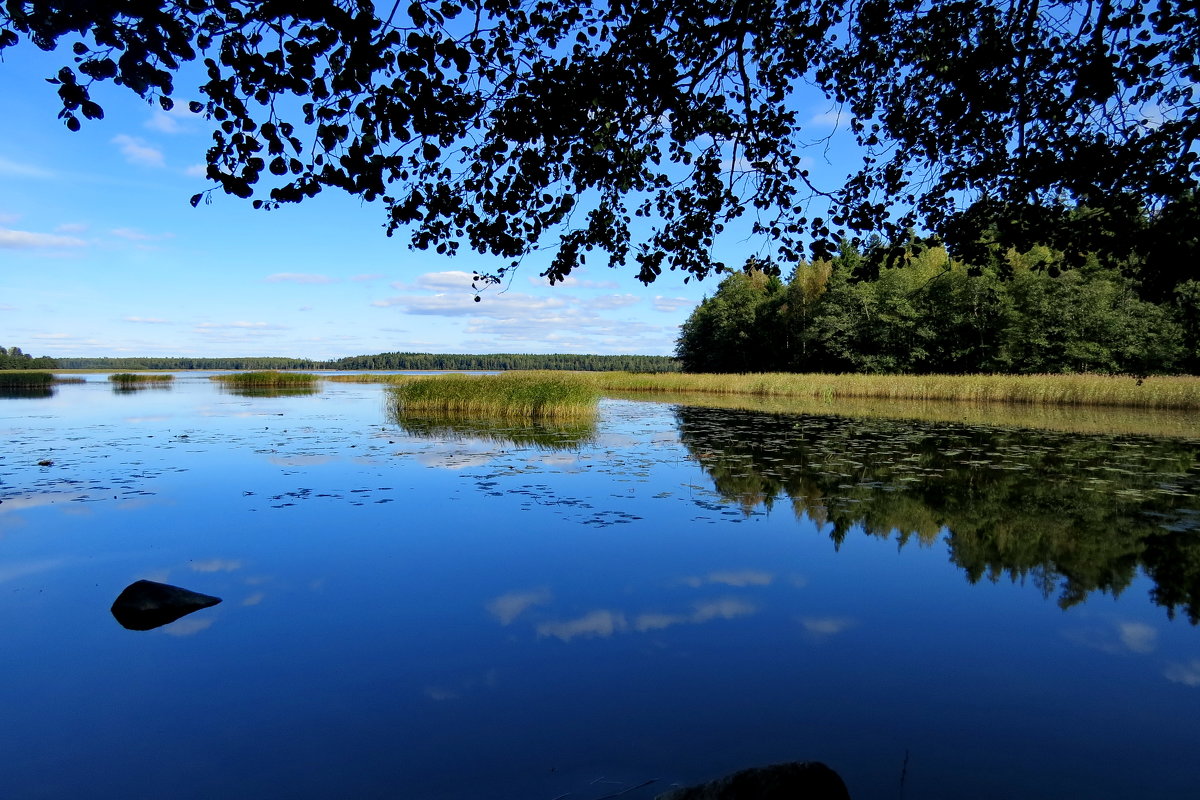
column 424, row 608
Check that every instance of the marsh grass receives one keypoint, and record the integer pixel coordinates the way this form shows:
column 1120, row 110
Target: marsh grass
column 1158, row 392
column 267, row 379
column 131, row 378
column 508, row 396
column 25, row 380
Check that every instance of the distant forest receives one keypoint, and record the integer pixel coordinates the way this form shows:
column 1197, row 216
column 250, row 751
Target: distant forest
column 387, row 361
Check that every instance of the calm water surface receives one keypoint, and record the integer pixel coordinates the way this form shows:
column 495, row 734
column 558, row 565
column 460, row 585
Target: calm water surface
column 429, row 609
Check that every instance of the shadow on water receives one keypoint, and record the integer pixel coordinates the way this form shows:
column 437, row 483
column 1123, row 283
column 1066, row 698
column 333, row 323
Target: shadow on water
column 1074, row 514
column 270, row 391
column 136, row 388
column 543, row 434
column 25, row 392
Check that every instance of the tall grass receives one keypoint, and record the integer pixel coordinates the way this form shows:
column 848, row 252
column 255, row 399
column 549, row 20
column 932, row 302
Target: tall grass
column 266, row 378
column 140, row 377
column 508, row 396
column 22, row 380
column 1073, row 390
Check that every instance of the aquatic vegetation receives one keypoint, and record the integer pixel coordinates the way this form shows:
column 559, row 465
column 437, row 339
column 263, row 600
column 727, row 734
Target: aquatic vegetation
column 511, row 395
column 22, row 380
column 1177, row 392
column 140, row 377
column 59, row 379
column 544, row 434
column 266, row 378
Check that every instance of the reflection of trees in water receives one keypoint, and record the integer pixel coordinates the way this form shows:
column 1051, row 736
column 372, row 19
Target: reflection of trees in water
column 1080, row 513
column 544, row 434
column 134, row 388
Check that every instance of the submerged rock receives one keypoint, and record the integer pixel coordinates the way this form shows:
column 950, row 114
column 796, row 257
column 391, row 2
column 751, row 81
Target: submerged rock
column 794, row 780
column 146, row 604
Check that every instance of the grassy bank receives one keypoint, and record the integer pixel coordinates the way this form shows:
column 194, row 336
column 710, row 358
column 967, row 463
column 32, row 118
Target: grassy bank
column 509, row 396
column 1181, row 393
column 131, row 378
column 266, row 379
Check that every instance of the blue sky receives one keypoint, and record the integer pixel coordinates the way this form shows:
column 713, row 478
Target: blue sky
column 101, row 255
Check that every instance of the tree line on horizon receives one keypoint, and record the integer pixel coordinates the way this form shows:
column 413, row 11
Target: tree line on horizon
column 912, row 308
column 15, row 358
column 388, row 361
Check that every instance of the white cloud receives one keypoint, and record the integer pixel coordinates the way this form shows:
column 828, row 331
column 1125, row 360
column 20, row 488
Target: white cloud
column 29, row 240
column 240, row 325
column 598, row 623
column 137, row 151
column 147, row 320
column 507, row 607
column 299, row 277
column 827, row 119
column 173, row 121
column 71, row 227
column 368, row 276
column 739, row 578
column 669, row 304
column 23, row 170
column 217, row 565
column 53, row 336
column 134, row 235
column 8, row 219
column 1188, row 674
column 826, row 626
column 196, row 171
column 612, row 301
column 1137, row 636
column 574, row 282
column 504, row 306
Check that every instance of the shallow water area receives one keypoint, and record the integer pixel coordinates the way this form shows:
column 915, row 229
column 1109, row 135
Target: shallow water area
column 423, row 609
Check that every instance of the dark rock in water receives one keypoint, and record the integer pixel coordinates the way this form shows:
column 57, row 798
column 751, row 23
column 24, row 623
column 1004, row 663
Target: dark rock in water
column 795, row 780
column 146, row 604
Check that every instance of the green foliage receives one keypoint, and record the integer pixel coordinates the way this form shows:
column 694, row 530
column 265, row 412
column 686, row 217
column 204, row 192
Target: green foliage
column 921, row 312
column 15, row 358
column 639, row 130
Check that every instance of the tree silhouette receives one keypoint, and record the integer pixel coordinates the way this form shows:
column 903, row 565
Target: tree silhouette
column 503, row 126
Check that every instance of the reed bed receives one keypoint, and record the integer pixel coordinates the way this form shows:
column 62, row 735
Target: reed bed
column 266, row 379
column 23, row 380
column 1182, row 393
column 58, row 379
column 508, row 396
column 140, row 377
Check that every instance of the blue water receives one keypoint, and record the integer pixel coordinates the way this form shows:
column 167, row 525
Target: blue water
column 463, row 617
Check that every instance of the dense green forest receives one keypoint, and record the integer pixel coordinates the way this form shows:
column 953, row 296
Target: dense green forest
column 14, row 358
column 501, row 361
column 913, row 309
column 405, row 361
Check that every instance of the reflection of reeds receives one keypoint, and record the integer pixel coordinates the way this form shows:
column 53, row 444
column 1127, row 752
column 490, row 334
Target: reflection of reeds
column 543, row 434
column 1178, row 392
column 132, row 378
column 1071, row 419
column 25, row 380
column 508, row 396
column 267, row 379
